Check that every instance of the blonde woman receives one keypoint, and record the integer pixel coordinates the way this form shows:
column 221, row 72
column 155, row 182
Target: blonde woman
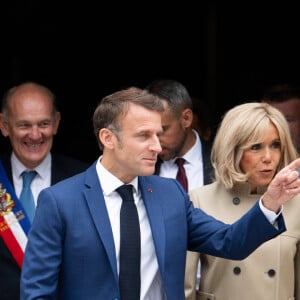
column 251, row 145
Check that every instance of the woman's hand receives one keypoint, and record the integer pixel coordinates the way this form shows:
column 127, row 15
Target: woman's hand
column 284, row 186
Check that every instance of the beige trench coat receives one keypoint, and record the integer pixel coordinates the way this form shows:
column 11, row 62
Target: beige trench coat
column 272, row 272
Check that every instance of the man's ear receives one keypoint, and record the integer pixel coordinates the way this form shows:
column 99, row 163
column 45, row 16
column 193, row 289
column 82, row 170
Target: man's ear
column 3, row 126
column 57, row 121
column 107, row 138
column 187, row 118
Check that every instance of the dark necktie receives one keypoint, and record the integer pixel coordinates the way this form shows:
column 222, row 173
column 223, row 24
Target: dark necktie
column 26, row 196
column 181, row 175
column 130, row 246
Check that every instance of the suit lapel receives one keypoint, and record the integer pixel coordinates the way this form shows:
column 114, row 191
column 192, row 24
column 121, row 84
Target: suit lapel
column 151, row 195
column 96, row 204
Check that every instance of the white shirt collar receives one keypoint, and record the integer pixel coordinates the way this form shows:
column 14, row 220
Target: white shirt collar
column 109, row 182
column 42, row 169
column 192, row 156
column 195, row 153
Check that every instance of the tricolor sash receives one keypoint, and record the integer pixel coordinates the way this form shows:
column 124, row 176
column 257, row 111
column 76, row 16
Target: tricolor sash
column 14, row 223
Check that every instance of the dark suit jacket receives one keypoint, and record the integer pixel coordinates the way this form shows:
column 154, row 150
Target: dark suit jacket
column 62, row 167
column 71, row 255
column 208, row 170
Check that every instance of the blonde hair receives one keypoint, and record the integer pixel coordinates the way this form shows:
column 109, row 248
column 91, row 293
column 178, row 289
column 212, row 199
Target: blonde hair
column 242, row 126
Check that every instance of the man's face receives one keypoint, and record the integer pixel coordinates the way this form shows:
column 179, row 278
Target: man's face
column 133, row 151
column 291, row 110
column 174, row 134
column 30, row 126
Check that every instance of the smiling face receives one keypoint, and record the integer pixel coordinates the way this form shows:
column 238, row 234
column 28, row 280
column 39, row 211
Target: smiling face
column 261, row 160
column 30, row 125
column 133, row 150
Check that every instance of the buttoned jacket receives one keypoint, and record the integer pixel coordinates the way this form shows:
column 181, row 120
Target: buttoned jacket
column 272, row 272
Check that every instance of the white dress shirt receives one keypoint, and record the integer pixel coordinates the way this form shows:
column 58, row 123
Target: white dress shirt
column 151, row 283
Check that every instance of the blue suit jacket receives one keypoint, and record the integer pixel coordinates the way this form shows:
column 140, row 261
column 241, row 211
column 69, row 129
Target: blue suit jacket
column 71, row 256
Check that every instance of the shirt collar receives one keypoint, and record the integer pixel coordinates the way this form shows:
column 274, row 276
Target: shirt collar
column 109, row 182
column 193, row 155
column 42, row 169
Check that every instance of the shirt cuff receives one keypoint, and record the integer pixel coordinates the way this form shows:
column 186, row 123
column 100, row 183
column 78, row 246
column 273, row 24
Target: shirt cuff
column 270, row 215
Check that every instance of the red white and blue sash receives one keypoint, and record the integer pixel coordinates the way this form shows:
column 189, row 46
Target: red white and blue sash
column 14, row 223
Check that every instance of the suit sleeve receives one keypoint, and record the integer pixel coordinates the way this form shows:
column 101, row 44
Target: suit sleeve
column 235, row 241
column 43, row 253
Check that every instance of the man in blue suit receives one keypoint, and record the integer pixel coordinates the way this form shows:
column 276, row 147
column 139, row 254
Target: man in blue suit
column 73, row 250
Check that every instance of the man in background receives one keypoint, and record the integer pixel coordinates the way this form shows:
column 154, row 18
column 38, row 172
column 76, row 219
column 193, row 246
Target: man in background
column 179, row 138
column 286, row 98
column 30, row 119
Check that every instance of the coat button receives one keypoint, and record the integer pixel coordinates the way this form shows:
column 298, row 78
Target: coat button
column 236, row 270
column 271, row 273
column 236, row 200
